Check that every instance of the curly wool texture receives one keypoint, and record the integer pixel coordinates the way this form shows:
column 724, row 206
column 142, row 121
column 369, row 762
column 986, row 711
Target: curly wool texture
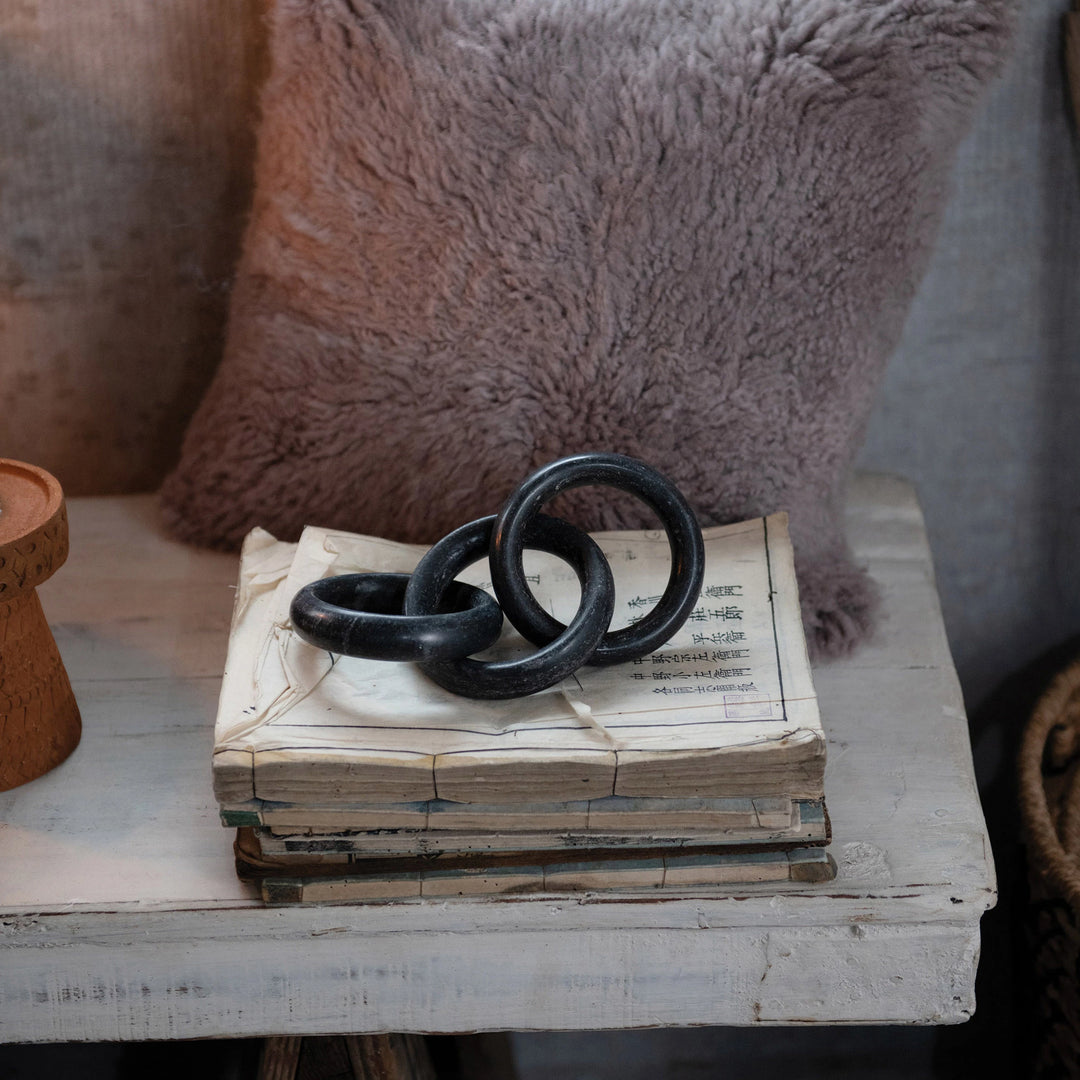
column 488, row 233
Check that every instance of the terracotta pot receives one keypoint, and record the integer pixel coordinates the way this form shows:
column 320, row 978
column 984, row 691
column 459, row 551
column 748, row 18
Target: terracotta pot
column 39, row 718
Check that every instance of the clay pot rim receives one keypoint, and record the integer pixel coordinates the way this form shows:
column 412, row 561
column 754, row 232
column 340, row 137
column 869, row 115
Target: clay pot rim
column 18, row 522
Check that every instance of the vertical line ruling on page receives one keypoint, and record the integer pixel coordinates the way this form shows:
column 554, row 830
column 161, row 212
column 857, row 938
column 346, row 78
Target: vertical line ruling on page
column 772, row 609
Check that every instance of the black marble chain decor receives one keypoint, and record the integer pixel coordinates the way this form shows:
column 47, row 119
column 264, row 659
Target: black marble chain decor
column 438, row 623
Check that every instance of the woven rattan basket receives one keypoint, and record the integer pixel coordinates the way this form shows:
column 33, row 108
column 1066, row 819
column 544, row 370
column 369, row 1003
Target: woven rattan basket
column 1049, row 763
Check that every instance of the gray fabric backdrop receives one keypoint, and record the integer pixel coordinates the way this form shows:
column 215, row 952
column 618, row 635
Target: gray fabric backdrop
column 981, row 403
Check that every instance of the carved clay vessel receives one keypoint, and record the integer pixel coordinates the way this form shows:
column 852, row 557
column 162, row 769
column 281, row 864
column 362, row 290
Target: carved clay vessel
column 39, row 718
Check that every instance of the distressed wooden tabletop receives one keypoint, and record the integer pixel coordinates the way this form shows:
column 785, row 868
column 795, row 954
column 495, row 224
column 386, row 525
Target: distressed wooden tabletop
column 121, row 916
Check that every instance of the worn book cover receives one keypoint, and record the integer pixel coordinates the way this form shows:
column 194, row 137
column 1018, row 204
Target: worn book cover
column 448, row 874
column 612, row 813
column 403, row 831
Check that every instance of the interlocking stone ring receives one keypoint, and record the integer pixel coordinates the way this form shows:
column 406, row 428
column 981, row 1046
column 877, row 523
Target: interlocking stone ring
column 628, row 474
column 360, row 615
column 559, row 657
column 439, row 623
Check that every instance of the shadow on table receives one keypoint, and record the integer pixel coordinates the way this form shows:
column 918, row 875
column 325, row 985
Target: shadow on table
column 212, row 1059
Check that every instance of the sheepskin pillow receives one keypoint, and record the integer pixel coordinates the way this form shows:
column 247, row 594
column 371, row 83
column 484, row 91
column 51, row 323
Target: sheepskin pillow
column 488, row 233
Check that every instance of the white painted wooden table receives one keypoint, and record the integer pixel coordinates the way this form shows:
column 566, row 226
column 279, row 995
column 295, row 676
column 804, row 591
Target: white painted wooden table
column 121, row 916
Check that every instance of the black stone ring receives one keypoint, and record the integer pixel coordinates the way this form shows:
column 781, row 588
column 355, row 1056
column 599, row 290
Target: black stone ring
column 361, row 615
column 560, row 657
column 613, row 470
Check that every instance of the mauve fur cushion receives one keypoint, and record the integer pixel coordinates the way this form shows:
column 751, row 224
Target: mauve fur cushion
column 487, row 233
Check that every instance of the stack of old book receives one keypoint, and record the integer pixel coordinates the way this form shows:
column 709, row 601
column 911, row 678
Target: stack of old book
column 698, row 766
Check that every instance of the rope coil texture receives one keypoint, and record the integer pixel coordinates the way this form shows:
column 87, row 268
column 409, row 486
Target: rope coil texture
column 1049, row 796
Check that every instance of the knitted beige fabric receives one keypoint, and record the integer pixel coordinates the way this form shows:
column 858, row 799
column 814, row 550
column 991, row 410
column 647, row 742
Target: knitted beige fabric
column 488, row 233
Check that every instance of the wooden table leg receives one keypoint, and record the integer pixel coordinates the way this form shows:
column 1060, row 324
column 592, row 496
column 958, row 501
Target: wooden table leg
column 346, row 1057
column 389, row 1057
column 280, row 1057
